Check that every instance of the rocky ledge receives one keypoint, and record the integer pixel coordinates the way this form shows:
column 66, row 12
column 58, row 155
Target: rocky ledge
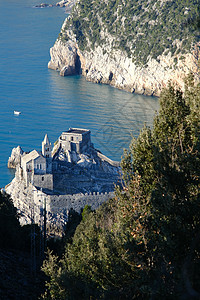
column 67, row 4
column 15, row 157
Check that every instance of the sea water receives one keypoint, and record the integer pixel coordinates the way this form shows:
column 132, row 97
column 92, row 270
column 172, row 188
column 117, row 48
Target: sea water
column 50, row 103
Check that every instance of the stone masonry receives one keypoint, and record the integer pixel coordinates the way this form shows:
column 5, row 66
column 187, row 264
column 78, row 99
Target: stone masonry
column 75, row 175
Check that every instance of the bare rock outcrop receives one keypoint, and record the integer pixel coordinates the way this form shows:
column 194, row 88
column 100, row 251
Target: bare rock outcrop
column 112, row 66
column 63, row 58
column 15, row 157
column 67, row 4
column 29, row 199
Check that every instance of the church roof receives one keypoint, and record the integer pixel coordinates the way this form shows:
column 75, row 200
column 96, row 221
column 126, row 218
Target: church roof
column 76, row 131
column 32, row 155
column 46, row 139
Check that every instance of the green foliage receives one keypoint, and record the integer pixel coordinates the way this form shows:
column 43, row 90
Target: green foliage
column 144, row 243
column 74, row 219
column 142, row 161
column 12, row 234
column 86, row 211
column 53, row 270
column 9, row 223
column 141, row 29
column 57, row 245
column 170, row 182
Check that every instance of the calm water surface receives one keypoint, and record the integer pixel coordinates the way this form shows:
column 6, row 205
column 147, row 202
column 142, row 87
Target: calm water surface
column 50, row 103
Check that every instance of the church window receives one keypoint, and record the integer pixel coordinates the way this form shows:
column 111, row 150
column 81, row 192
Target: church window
column 42, row 178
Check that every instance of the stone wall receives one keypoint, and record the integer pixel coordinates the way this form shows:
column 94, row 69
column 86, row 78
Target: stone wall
column 62, row 203
column 77, row 201
column 108, row 160
column 43, row 181
column 30, row 201
column 58, row 206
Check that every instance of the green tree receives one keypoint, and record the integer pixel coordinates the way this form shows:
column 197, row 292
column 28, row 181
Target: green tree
column 144, row 243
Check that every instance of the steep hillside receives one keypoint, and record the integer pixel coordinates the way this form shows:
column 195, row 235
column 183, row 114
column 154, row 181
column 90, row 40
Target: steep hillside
column 135, row 45
column 17, row 283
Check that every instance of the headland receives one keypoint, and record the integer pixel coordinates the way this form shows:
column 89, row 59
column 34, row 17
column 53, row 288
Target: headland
column 69, row 175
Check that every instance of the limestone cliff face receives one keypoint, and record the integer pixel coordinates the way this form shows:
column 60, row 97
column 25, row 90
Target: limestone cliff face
column 28, row 200
column 15, row 157
column 63, row 58
column 112, row 66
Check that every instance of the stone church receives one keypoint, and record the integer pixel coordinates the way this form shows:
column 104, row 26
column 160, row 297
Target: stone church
column 36, row 167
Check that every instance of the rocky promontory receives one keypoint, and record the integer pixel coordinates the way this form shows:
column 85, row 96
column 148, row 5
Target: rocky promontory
column 118, row 70
column 15, row 157
column 102, row 46
column 70, row 176
column 66, row 4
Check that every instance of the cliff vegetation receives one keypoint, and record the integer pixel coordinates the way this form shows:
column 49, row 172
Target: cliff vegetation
column 141, row 29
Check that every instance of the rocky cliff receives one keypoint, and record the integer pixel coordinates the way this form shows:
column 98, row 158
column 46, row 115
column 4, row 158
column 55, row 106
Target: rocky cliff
column 78, row 179
column 118, row 70
column 15, row 157
column 30, row 200
column 141, row 60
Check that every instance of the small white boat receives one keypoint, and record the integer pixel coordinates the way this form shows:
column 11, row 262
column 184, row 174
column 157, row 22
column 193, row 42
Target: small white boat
column 17, row 113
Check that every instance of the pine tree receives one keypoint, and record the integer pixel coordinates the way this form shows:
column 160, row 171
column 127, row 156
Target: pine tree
column 144, row 243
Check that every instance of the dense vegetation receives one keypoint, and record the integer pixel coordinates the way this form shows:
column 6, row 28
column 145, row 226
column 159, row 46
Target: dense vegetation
column 139, row 28
column 17, row 278
column 10, row 229
column 12, row 234
column 144, row 243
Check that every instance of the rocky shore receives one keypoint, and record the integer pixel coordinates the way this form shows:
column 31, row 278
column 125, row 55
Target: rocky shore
column 66, row 4
column 109, row 66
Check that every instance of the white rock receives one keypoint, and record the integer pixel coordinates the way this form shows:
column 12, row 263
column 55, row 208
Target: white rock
column 15, row 157
column 116, row 69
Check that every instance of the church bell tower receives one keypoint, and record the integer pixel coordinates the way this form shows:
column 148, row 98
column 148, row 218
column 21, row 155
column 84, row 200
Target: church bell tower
column 46, row 147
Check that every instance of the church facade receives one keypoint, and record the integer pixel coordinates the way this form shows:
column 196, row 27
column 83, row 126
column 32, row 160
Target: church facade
column 36, row 167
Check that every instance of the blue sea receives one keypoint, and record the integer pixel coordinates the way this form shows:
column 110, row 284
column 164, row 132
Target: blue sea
column 50, row 103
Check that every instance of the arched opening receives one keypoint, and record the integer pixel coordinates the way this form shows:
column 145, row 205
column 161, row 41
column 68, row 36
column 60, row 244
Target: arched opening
column 77, row 65
column 111, row 76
